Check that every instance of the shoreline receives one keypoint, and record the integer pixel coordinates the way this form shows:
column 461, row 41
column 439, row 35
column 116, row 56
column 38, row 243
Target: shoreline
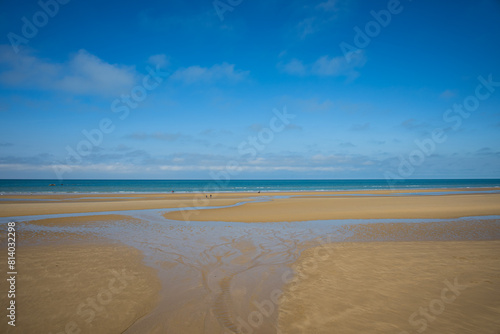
column 262, row 192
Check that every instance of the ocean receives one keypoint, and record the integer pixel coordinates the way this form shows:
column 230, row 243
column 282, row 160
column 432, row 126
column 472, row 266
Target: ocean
column 189, row 186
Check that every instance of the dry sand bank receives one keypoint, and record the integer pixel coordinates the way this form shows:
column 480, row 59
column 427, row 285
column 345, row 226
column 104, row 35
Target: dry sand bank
column 23, row 205
column 14, row 209
column 396, row 287
column 352, row 207
column 80, row 288
column 84, row 220
column 450, row 230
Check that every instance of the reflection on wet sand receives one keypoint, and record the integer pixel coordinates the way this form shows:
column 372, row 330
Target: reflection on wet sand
column 212, row 275
column 227, row 277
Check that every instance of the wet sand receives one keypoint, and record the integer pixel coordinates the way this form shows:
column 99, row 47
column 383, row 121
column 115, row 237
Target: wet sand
column 209, row 274
column 80, row 287
column 396, row 287
column 227, row 277
column 368, row 286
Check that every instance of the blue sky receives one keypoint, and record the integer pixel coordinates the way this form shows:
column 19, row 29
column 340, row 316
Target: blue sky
column 416, row 93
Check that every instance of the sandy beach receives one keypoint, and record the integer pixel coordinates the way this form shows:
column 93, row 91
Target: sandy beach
column 61, row 204
column 317, row 264
column 396, row 287
column 75, row 285
column 301, row 205
column 304, row 208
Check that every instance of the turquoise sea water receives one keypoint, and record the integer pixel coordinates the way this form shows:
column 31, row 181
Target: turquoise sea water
column 160, row 186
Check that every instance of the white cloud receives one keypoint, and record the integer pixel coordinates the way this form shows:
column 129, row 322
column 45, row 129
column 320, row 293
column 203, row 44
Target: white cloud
column 90, row 75
column 134, row 162
column 361, row 127
column 329, row 5
column 171, row 137
column 327, row 66
column 320, row 17
column 84, row 74
column 336, row 66
column 412, row 124
column 159, row 60
column 308, row 26
column 218, row 72
column 294, row 67
column 24, row 70
column 314, row 105
column 448, row 94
